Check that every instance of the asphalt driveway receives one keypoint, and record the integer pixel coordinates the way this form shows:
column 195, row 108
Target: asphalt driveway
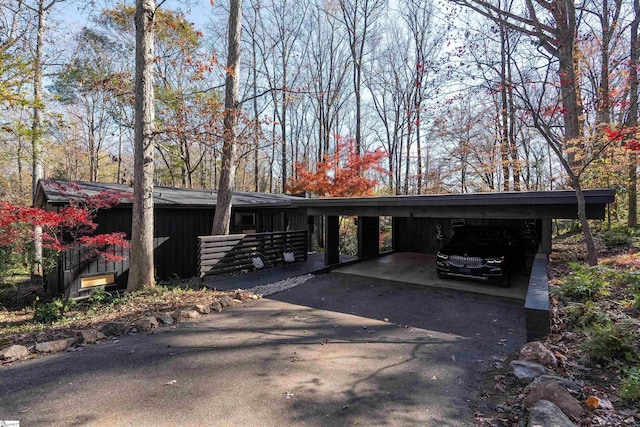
column 329, row 352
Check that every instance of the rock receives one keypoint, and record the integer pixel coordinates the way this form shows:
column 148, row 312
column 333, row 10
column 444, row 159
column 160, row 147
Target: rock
column 14, row 352
column 54, row 346
column 536, row 352
column 114, row 329
column 556, row 394
column 145, row 324
column 153, row 320
column 202, row 308
column 165, row 318
column 227, row 301
column 90, row 336
column 526, row 370
column 546, row 414
column 182, row 315
column 568, row 385
column 237, row 302
column 216, row 306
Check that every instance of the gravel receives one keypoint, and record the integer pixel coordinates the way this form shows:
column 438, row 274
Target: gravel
column 283, row 285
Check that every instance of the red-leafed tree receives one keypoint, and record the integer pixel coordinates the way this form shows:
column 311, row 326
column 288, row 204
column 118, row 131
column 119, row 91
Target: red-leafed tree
column 341, row 174
column 71, row 227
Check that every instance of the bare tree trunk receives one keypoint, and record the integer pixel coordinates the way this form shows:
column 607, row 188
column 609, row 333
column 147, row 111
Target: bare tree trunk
column 36, row 133
column 504, row 118
column 222, row 216
column 141, row 270
column 632, row 117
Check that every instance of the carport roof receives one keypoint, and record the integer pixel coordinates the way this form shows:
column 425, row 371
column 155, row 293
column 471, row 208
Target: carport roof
column 514, row 204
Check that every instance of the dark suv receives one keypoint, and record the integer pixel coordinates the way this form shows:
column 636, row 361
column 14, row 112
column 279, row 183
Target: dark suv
column 480, row 252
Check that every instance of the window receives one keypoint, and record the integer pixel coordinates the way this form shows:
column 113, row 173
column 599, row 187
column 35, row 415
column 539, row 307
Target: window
column 245, row 219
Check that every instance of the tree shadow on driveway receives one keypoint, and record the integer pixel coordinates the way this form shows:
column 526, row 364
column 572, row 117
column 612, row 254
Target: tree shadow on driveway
column 319, row 354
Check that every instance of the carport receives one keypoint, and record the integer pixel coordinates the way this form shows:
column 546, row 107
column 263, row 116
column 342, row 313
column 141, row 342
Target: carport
column 421, row 224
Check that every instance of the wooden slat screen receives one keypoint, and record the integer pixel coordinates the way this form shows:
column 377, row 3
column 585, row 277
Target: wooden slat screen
column 219, row 255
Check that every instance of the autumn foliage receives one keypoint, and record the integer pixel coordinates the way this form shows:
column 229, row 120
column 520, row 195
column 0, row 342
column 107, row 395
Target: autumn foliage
column 69, row 227
column 629, row 136
column 342, row 174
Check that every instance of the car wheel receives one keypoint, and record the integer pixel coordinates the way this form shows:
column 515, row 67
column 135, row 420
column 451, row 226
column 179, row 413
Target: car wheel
column 442, row 275
column 505, row 280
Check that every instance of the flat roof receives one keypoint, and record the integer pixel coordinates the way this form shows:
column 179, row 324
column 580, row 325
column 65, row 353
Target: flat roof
column 60, row 192
column 512, row 204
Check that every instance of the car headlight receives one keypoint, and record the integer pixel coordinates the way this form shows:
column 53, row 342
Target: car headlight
column 442, row 257
column 495, row 261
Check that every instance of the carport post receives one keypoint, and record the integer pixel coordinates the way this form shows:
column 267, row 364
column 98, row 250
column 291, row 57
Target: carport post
column 332, row 240
column 368, row 236
column 545, row 234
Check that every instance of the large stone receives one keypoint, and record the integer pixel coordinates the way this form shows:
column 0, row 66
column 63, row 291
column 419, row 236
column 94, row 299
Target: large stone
column 536, row 352
column 556, row 394
column 145, row 324
column 527, row 371
column 227, row 301
column 216, row 306
column 165, row 318
column 114, row 329
column 568, row 385
column 202, row 308
column 546, row 414
column 182, row 315
column 14, row 352
column 90, row 336
column 54, row 346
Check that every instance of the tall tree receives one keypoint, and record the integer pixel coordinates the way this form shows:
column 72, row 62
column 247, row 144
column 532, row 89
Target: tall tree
column 42, row 9
column 141, row 270
column 359, row 18
column 632, row 115
column 554, row 25
column 222, row 216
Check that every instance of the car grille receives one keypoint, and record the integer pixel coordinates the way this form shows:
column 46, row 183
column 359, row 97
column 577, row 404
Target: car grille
column 465, row 261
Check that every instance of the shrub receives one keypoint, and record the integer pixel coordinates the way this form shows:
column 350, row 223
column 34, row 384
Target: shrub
column 617, row 237
column 49, row 312
column 586, row 315
column 611, row 341
column 630, row 386
column 584, row 283
column 100, row 297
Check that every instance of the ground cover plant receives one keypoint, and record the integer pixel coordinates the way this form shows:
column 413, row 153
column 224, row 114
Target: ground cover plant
column 595, row 334
column 27, row 315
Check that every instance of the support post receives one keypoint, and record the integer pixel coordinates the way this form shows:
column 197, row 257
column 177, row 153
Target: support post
column 332, row 240
column 368, row 236
column 545, row 238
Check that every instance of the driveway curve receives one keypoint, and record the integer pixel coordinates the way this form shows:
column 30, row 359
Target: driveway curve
column 331, row 351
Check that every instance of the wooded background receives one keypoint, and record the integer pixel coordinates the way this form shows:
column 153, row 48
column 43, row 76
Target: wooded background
column 461, row 97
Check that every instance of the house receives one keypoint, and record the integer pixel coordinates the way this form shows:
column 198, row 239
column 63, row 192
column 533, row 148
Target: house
column 180, row 216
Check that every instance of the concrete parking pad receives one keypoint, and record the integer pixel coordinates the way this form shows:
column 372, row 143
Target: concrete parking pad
column 419, row 269
column 329, row 352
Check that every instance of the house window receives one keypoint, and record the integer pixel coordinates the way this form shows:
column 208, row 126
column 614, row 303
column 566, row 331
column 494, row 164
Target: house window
column 245, row 220
column 103, row 279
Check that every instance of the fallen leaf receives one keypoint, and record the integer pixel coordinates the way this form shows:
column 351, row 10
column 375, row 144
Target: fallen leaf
column 172, row 382
column 593, row 402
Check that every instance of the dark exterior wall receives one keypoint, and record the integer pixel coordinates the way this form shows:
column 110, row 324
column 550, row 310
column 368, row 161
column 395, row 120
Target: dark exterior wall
column 422, row 235
column 176, row 232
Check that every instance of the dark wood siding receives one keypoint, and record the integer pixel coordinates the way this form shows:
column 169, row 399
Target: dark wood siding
column 176, row 232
